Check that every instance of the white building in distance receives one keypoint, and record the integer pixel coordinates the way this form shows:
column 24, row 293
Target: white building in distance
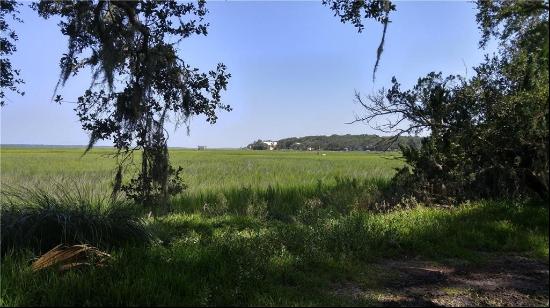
column 271, row 145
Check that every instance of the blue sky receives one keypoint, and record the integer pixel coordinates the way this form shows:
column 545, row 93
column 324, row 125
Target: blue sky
column 294, row 69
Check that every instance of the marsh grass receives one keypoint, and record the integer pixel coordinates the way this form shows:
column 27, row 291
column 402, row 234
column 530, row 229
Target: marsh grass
column 204, row 171
column 284, row 202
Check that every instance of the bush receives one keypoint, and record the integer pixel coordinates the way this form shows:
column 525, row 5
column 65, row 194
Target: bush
column 38, row 220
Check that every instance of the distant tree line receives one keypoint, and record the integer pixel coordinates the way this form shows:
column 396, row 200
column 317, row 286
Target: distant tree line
column 257, row 145
column 340, row 143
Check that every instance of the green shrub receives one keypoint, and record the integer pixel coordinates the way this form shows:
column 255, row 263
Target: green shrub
column 39, row 220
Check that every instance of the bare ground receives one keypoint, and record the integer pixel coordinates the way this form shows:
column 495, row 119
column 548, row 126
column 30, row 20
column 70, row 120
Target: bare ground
column 507, row 280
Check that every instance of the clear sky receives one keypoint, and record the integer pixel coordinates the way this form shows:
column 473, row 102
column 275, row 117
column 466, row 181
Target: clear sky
column 294, row 69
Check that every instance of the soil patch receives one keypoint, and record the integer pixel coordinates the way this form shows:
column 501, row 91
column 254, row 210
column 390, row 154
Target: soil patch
column 507, row 280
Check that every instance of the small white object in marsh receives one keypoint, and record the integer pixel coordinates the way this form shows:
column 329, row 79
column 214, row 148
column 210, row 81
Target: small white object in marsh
column 324, row 154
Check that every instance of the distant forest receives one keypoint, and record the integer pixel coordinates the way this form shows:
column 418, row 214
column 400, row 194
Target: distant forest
column 339, row 143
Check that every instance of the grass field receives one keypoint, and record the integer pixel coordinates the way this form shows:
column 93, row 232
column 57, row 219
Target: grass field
column 265, row 228
column 204, row 170
column 230, row 177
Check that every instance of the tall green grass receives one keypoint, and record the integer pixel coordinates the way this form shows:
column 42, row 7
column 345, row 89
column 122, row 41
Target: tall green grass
column 35, row 219
column 204, row 171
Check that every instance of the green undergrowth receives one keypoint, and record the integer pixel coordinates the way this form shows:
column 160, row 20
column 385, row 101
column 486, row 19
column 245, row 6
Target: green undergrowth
column 201, row 258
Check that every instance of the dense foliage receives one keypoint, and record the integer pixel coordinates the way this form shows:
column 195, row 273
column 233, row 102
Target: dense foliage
column 489, row 133
column 132, row 47
column 346, row 143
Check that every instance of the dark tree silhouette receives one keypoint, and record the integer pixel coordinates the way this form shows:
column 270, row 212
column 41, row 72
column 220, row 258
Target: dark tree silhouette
column 139, row 81
column 488, row 134
column 9, row 78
